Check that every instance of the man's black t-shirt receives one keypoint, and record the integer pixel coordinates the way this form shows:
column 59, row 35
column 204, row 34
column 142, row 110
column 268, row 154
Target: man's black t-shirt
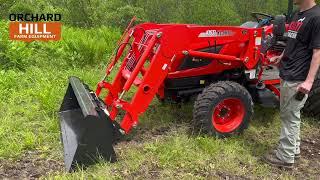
column 303, row 37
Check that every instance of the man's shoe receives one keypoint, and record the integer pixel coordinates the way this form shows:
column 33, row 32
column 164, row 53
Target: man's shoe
column 273, row 160
column 296, row 156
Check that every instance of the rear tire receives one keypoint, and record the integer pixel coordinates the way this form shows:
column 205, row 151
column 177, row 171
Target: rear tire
column 312, row 106
column 223, row 109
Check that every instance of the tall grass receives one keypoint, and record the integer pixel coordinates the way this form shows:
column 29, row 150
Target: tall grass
column 89, row 46
column 78, row 48
column 33, row 79
column 29, row 101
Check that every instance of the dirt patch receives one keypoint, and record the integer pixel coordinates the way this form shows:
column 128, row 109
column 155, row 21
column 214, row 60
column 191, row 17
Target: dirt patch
column 310, row 149
column 308, row 166
column 32, row 166
column 29, row 166
column 143, row 135
column 223, row 175
column 148, row 170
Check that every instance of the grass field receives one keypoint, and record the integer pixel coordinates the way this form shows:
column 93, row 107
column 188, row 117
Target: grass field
column 162, row 147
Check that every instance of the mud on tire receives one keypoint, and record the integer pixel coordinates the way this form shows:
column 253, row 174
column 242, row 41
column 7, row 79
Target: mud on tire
column 223, row 109
column 312, row 106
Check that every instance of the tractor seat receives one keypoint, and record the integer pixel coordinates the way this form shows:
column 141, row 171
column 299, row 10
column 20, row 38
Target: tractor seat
column 250, row 24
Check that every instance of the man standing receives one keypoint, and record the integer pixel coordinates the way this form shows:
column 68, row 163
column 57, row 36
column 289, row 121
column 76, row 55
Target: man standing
column 299, row 64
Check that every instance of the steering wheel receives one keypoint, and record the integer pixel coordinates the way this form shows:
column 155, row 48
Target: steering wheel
column 259, row 17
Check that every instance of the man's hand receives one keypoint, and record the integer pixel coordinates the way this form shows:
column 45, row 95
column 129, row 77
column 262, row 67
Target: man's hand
column 305, row 87
column 275, row 59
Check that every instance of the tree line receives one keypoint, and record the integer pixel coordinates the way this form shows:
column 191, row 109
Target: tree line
column 94, row 13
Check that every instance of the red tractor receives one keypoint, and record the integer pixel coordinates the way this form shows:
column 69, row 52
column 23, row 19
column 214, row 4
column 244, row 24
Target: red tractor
column 227, row 67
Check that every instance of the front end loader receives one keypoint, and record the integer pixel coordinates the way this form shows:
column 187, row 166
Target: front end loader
column 227, row 67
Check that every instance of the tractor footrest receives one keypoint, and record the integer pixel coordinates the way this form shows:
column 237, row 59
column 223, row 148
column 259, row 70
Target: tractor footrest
column 270, row 73
column 267, row 99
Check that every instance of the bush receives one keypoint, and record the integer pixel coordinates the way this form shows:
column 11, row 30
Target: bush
column 122, row 15
column 94, row 13
column 211, row 12
column 13, row 54
column 273, row 7
column 89, row 46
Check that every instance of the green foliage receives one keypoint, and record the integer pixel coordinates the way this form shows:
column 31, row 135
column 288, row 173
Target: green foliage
column 244, row 8
column 13, row 54
column 95, row 13
column 5, row 5
column 33, row 80
column 81, row 13
column 122, row 15
column 16, row 55
column 28, row 104
column 162, row 10
column 89, row 46
column 78, row 47
column 28, row 6
column 22, row 7
column 211, row 12
column 191, row 11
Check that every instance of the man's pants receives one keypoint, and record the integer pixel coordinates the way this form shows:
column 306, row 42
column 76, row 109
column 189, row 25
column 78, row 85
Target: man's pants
column 290, row 108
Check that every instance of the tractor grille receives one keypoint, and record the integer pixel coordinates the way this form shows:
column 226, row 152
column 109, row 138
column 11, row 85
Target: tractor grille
column 135, row 55
column 131, row 63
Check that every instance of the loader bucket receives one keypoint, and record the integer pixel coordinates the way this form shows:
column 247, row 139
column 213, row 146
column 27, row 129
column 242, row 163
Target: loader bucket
column 87, row 133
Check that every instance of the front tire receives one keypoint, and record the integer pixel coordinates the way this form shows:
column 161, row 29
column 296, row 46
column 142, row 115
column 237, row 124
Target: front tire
column 223, row 109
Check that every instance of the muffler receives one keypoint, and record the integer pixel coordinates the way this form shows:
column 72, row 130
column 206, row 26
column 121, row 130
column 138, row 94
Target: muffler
column 87, row 132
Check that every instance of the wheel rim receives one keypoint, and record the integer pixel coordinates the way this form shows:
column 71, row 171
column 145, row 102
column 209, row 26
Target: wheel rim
column 228, row 115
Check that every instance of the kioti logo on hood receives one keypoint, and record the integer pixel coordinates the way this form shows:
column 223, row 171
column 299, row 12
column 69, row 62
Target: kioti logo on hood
column 35, row 27
column 216, row 33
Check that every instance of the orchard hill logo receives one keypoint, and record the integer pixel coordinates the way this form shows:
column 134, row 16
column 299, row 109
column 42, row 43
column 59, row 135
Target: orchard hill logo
column 35, row 27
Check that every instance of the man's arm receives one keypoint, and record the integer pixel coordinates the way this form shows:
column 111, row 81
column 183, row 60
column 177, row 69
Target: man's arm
column 306, row 86
column 314, row 67
column 276, row 59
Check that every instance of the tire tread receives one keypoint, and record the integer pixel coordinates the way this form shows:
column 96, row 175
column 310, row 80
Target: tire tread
column 211, row 95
